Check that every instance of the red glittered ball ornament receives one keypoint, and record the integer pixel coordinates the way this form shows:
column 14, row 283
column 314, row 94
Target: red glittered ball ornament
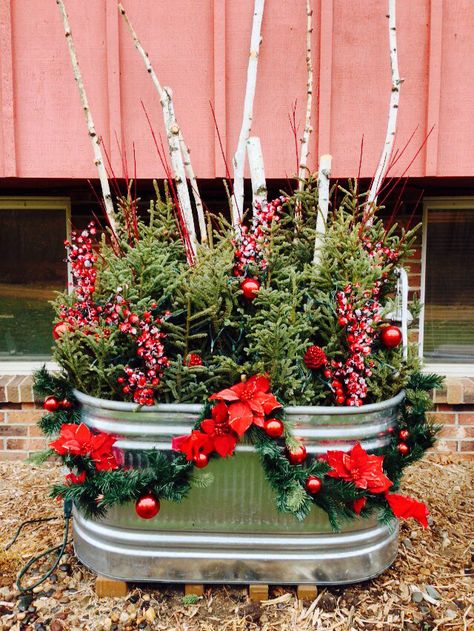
column 193, row 360
column 313, row 485
column 297, row 455
column 59, row 329
column 147, row 506
column 403, row 448
column 51, row 404
column 390, row 336
column 250, row 287
column 274, row 428
column 403, row 434
column 200, row 460
column 66, row 404
column 314, row 357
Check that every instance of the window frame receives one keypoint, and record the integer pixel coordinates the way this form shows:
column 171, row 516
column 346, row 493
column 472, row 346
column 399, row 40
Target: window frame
column 39, row 203
column 439, row 203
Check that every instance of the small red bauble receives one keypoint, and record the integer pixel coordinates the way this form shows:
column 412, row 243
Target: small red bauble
column 66, row 404
column 403, row 434
column 314, row 357
column 59, row 329
column 250, row 287
column 297, row 455
column 193, row 360
column 274, row 427
column 313, row 485
column 403, row 448
column 147, row 506
column 200, row 460
column 51, row 404
column 390, row 336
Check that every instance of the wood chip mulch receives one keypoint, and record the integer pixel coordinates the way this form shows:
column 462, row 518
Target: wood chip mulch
column 429, row 586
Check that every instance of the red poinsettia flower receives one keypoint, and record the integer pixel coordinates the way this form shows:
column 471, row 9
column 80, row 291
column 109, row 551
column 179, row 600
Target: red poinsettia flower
column 406, row 507
column 249, row 401
column 357, row 466
column 193, row 444
column 358, row 505
column 219, row 431
column 78, row 440
column 72, row 478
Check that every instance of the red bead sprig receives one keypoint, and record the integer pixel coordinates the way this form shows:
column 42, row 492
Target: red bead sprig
column 82, row 259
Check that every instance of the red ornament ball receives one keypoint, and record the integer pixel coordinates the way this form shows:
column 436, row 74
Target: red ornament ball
column 200, row 460
column 313, row 485
column 391, row 336
column 297, row 455
column 66, row 404
column 403, row 434
column 314, row 357
column 59, row 329
column 250, row 287
column 147, row 506
column 403, row 448
column 193, row 360
column 51, row 404
column 274, row 428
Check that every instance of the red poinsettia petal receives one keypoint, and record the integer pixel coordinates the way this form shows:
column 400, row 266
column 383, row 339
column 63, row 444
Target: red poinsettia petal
column 240, row 417
column 261, row 382
column 83, row 433
column 255, row 405
column 208, row 426
column 220, row 412
column 337, row 460
column 227, row 394
column 359, row 504
column 259, row 420
column 106, row 464
column 178, row 441
column 225, row 444
column 58, row 446
column 406, row 507
column 270, row 403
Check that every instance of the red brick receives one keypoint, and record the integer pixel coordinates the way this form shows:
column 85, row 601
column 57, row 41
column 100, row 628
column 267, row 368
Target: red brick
column 36, row 444
column 466, row 418
column 413, row 268
column 467, row 445
column 24, row 416
column 34, row 431
column 12, row 455
column 453, row 431
column 444, row 418
column 18, row 444
column 13, row 430
column 446, row 445
column 444, row 407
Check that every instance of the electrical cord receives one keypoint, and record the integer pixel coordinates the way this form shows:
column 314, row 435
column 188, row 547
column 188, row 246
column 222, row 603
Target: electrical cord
column 61, row 547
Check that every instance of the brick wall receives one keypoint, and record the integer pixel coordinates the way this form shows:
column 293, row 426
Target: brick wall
column 19, row 435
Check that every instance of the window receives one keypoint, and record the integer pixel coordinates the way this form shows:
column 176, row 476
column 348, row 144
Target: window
column 32, row 269
column 447, row 325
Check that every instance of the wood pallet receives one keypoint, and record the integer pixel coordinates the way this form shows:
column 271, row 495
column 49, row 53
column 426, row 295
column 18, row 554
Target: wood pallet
column 109, row 587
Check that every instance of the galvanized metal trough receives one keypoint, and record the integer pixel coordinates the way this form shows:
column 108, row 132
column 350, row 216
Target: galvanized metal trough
column 230, row 532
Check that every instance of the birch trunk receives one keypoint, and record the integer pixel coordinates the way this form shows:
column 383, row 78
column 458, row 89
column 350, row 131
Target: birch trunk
column 384, row 160
column 257, row 170
column 239, row 156
column 303, row 166
column 94, row 138
column 182, row 147
column 324, row 175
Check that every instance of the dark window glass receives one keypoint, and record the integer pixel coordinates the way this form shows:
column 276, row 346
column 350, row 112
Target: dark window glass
column 32, row 268
column 449, row 289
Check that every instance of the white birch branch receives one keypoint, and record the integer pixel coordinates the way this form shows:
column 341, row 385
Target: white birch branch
column 257, row 170
column 309, row 100
column 94, row 138
column 194, row 187
column 177, row 164
column 182, row 145
column 324, row 174
column 384, row 160
column 239, row 156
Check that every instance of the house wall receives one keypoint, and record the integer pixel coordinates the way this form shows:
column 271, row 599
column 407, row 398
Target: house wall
column 200, row 49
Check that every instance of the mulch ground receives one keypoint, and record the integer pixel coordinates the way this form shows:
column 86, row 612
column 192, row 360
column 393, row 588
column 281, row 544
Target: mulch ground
column 429, row 586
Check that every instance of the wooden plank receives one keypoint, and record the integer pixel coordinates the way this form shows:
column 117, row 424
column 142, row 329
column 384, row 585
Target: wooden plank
column 112, row 21
column 258, row 592
column 307, row 592
column 434, row 86
column 325, row 76
column 109, row 587
column 7, row 109
column 220, row 108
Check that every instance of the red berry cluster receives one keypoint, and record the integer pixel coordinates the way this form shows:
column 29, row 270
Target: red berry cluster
column 314, row 357
column 82, row 259
column 378, row 249
column 142, row 381
column 348, row 379
column 251, row 243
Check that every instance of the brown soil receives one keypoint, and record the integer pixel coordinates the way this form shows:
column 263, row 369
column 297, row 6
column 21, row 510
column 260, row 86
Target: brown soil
column 438, row 559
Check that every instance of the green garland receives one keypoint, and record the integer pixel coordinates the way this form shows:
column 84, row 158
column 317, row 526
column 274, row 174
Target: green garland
column 169, row 476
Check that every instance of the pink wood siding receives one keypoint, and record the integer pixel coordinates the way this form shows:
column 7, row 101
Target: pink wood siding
column 199, row 48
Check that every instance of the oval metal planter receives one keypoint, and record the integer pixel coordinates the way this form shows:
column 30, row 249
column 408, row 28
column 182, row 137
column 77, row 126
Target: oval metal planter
column 231, row 532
